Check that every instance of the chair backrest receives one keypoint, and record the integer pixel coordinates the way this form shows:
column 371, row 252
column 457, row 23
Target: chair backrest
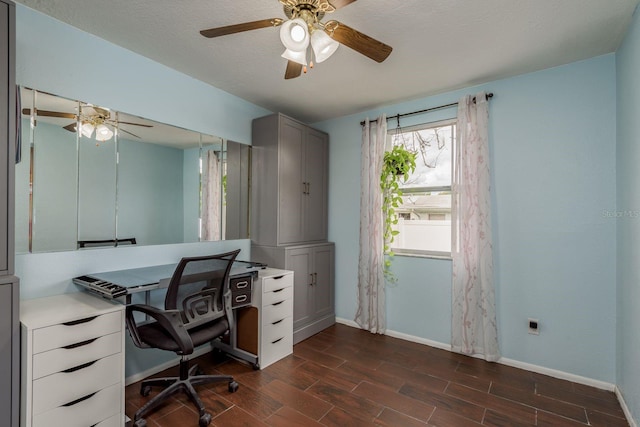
column 199, row 286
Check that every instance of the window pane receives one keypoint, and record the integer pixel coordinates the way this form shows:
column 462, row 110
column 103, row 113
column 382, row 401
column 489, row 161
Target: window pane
column 424, row 222
column 424, row 218
column 433, row 161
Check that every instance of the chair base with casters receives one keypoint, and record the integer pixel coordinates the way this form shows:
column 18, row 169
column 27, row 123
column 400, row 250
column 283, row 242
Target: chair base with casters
column 189, row 377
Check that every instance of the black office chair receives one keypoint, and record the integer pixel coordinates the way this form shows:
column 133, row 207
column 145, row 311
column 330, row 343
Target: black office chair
column 197, row 310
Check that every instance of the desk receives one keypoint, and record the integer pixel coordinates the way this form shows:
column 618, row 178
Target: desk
column 122, row 284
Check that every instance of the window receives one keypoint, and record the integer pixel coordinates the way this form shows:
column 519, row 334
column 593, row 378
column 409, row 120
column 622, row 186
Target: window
column 424, row 218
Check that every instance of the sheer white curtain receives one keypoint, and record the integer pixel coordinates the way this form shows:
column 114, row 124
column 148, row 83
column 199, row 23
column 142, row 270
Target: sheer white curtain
column 473, row 328
column 371, row 296
column 211, row 194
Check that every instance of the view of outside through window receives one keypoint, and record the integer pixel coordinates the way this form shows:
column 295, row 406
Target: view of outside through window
column 424, row 222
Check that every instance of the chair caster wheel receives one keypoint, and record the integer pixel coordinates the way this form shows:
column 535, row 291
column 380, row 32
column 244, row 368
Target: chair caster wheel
column 233, row 387
column 145, row 390
column 255, row 366
column 205, row 420
column 140, row 423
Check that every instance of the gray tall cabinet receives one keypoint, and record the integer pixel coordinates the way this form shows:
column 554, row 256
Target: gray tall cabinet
column 9, row 298
column 289, row 215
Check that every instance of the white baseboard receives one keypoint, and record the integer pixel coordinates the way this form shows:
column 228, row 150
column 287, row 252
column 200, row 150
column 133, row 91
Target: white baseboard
column 503, row 360
column 625, row 408
column 159, row 368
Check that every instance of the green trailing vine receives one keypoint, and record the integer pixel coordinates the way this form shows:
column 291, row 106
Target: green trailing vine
column 397, row 165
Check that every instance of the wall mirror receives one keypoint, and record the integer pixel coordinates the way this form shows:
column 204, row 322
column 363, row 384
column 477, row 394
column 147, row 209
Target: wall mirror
column 90, row 177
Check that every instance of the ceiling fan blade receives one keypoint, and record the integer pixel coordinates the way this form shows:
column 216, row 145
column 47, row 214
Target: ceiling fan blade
column 27, row 112
column 293, row 70
column 238, row 28
column 71, row 127
column 340, row 3
column 358, row 41
column 130, row 133
column 135, row 124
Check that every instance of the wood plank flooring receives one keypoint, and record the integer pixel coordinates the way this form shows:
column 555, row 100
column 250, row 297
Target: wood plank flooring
column 344, row 376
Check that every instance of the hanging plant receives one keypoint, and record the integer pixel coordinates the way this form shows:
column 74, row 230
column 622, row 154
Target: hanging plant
column 397, row 165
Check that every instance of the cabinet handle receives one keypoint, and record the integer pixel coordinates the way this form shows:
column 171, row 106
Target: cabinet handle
column 241, row 298
column 278, row 290
column 242, row 285
column 79, row 344
column 304, row 188
column 77, row 368
column 88, row 396
column 278, row 277
column 79, row 322
column 277, row 303
column 277, row 321
column 308, row 188
column 278, row 340
column 311, row 284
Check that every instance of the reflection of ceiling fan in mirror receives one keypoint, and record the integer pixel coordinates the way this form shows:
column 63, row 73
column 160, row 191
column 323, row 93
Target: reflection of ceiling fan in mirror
column 92, row 119
column 305, row 33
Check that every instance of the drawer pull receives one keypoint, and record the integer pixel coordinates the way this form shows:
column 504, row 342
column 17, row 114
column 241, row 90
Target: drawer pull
column 278, row 340
column 77, row 368
column 242, row 285
column 75, row 402
column 80, row 321
column 278, row 290
column 241, row 298
column 277, row 303
column 277, row 321
column 79, row 344
column 278, row 277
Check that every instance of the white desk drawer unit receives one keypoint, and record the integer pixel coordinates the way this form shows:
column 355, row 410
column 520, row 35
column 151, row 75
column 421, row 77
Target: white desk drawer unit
column 276, row 318
column 266, row 328
column 72, row 362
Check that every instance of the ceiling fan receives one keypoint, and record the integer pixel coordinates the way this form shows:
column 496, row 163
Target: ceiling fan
column 304, row 28
column 91, row 119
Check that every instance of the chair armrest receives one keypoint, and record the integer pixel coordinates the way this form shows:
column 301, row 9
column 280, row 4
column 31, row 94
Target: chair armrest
column 169, row 320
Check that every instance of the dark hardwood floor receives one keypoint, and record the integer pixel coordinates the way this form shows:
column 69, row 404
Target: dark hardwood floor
column 347, row 377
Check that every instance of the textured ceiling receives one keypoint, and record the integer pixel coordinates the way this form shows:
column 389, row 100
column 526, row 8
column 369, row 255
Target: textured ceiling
column 438, row 45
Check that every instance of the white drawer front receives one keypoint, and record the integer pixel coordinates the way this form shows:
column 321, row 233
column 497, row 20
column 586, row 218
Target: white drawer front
column 115, row 421
column 63, row 335
column 97, row 408
column 277, row 342
column 273, row 297
column 272, row 333
column 64, row 387
column 278, row 282
column 59, row 359
column 272, row 313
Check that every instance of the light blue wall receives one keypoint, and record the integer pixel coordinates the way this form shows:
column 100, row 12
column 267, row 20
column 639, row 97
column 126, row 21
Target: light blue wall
column 60, row 59
column 553, row 151
column 628, row 206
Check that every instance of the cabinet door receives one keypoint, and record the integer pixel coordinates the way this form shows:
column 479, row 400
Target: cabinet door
column 5, row 166
column 316, row 171
column 323, row 300
column 9, row 365
column 290, row 182
column 299, row 260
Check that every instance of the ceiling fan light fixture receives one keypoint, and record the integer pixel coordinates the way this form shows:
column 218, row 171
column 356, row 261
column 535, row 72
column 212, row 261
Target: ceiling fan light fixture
column 103, row 133
column 294, row 34
column 323, row 46
column 295, row 56
column 87, row 130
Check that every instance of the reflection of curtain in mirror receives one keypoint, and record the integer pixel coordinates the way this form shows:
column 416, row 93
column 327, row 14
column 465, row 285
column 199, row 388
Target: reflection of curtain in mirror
column 211, row 193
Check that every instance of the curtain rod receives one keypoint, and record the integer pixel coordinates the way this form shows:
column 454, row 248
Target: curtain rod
column 397, row 116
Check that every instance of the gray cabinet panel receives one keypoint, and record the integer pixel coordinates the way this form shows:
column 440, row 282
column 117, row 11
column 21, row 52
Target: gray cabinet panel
column 9, row 354
column 289, row 182
column 313, row 284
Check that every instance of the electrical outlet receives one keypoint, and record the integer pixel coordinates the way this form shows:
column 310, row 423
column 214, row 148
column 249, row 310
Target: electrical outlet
column 534, row 326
